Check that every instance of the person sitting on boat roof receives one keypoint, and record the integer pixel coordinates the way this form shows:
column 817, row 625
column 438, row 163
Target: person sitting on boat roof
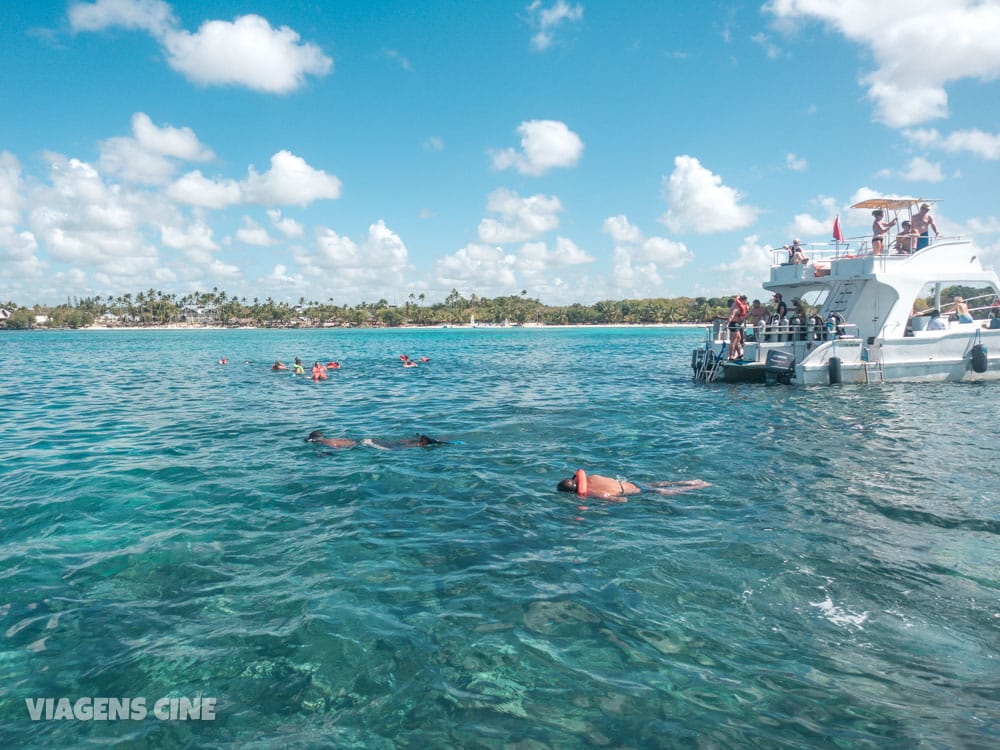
column 606, row 488
column 796, row 255
column 921, row 222
column 906, row 240
column 879, row 228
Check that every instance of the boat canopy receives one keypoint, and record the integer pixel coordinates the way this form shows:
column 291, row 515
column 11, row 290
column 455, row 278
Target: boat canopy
column 893, row 204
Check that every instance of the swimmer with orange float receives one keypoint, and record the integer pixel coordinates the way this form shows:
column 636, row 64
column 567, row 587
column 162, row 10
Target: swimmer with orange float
column 318, row 372
column 606, row 488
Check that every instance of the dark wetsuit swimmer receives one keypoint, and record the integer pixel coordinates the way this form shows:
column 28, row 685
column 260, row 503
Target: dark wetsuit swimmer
column 390, row 445
column 422, row 441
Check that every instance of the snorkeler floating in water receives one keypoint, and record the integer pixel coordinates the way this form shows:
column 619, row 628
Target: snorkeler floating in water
column 606, row 488
column 422, row 441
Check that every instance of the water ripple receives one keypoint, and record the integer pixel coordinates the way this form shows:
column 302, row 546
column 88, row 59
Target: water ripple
column 167, row 531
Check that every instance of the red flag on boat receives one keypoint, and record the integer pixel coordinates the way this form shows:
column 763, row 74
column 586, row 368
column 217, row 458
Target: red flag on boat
column 837, row 234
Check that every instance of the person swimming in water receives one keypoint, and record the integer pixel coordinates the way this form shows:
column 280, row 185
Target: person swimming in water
column 316, row 436
column 421, row 441
column 606, row 488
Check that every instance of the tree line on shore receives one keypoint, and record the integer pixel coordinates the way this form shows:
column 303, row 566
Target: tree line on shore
column 217, row 308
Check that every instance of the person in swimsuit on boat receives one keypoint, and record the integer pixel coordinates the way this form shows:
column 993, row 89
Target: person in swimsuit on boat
column 962, row 310
column 618, row 490
column 906, row 240
column 880, row 228
column 921, row 223
column 737, row 314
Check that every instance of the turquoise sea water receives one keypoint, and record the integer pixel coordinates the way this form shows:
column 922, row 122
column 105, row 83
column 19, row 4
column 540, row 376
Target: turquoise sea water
column 168, row 533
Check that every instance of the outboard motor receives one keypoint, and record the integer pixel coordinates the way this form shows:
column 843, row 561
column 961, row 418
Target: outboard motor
column 779, row 367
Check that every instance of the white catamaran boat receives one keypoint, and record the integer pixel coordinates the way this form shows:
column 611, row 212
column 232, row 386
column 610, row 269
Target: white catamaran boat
column 859, row 324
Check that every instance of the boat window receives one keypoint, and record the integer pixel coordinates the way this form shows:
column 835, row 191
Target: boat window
column 942, row 293
column 816, row 297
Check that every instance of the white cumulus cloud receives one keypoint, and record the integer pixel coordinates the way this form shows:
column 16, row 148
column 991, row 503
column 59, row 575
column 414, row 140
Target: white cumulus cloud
column 545, row 145
column 290, row 181
column 478, row 266
column 698, row 201
column 252, row 233
column 918, row 47
column 11, row 188
column 247, row 51
column 194, row 189
column 975, row 141
column 152, row 16
column 547, row 19
column 521, row 219
column 151, row 155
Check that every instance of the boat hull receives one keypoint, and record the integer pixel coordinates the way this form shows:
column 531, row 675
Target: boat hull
column 943, row 358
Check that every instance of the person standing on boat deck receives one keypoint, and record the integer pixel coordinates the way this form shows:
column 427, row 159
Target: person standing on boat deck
column 906, row 240
column 777, row 320
column 879, row 228
column 921, row 223
column 756, row 318
column 781, row 309
column 737, row 314
column 799, row 316
column 757, row 313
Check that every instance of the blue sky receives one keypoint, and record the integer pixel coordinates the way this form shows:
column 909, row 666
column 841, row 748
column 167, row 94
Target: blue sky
column 579, row 151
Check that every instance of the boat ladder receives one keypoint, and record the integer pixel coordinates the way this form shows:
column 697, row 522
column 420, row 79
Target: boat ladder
column 709, row 365
column 877, row 368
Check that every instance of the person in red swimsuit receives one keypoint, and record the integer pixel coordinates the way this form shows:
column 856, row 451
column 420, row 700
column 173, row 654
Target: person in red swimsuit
column 606, row 488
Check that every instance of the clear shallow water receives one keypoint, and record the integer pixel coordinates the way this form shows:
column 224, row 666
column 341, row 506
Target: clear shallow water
column 167, row 532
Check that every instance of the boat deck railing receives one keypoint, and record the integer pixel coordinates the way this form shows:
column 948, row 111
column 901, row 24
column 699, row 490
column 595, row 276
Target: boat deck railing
column 821, row 254
column 784, row 331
